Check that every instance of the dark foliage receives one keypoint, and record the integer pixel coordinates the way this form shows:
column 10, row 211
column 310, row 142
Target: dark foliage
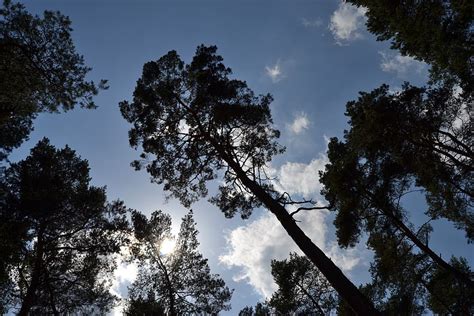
column 58, row 234
column 439, row 32
column 40, row 71
column 181, row 112
column 193, row 124
column 448, row 295
column 144, row 307
column 261, row 309
column 179, row 281
column 417, row 140
column 302, row 289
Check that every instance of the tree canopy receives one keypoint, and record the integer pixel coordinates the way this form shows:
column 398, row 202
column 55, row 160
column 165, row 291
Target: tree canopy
column 302, row 289
column 437, row 32
column 261, row 309
column 179, row 280
column 181, row 112
column 193, row 123
column 40, row 71
column 416, row 141
column 59, row 234
column 147, row 306
column 416, row 138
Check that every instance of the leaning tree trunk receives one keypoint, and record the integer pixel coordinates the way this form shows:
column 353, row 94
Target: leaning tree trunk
column 346, row 289
column 385, row 209
column 462, row 277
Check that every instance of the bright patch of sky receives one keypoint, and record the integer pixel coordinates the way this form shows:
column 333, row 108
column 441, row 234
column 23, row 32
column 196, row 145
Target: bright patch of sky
column 281, row 49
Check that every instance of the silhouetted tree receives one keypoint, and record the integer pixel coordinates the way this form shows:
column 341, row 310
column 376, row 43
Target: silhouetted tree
column 246, row 311
column 438, row 32
column 144, row 307
column 40, row 71
column 65, row 233
column 261, row 309
column 398, row 273
column 407, row 282
column 449, row 296
column 302, row 289
column 398, row 143
column 180, row 280
column 194, row 124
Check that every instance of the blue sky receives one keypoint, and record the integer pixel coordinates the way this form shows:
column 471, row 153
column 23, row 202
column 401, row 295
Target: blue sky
column 312, row 56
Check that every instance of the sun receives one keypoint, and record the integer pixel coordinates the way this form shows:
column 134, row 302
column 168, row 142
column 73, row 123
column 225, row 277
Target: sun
column 167, row 246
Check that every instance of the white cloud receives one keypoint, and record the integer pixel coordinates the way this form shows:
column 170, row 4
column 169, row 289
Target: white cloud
column 300, row 178
column 252, row 247
column 274, row 72
column 346, row 22
column 400, row 65
column 124, row 275
column 299, row 124
column 311, row 23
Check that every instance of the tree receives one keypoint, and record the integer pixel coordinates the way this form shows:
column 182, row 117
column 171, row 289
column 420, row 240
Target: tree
column 246, row 311
column 60, row 261
column 398, row 273
column 194, row 123
column 261, row 309
column 437, row 32
column 302, row 289
column 40, row 71
column 397, row 144
column 144, row 307
column 448, row 295
column 180, row 280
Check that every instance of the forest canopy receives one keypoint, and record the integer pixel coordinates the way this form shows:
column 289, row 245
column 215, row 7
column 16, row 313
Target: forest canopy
column 376, row 219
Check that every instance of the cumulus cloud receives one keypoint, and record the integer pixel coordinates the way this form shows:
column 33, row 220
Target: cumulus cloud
column 299, row 124
column 274, row 72
column 300, row 178
column 311, row 23
column 252, row 247
column 400, row 65
column 346, row 22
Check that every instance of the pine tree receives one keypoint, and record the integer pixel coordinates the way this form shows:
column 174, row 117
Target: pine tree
column 178, row 280
column 60, row 233
column 194, row 123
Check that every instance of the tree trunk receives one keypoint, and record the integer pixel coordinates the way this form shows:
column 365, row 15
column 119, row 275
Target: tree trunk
column 172, row 308
column 30, row 299
column 462, row 277
column 346, row 289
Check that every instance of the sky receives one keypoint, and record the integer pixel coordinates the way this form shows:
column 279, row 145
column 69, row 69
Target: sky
column 312, row 56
